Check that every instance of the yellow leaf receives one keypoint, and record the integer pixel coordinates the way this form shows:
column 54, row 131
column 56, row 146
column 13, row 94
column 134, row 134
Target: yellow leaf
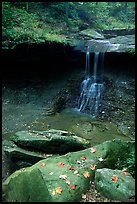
column 75, row 172
column 58, row 190
column 86, row 174
column 53, row 193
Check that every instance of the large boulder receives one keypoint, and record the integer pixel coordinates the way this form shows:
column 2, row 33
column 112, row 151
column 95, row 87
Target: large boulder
column 115, row 184
column 21, row 157
column 63, row 178
column 50, row 141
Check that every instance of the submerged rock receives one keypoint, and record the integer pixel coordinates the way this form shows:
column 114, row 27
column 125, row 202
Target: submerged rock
column 63, row 178
column 115, row 184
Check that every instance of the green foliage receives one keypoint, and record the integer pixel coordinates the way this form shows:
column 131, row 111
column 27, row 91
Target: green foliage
column 129, row 163
column 36, row 21
column 7, row 15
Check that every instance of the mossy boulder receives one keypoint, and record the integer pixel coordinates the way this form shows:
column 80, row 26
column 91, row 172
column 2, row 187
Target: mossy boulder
column 65, row 177
column 115, row 184
column 20, row 156
column 50, row 141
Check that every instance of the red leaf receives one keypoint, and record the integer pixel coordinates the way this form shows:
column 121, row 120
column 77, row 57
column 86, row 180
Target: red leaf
column 61, row 164
column 42, row 164
column 72, row 168
column 72, row 187
column 83, row 157
column 114, row 178
column 126, row 173
column 92, row 167
column 93, row 149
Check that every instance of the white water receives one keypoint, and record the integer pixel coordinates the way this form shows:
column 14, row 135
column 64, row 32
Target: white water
column 91, row 91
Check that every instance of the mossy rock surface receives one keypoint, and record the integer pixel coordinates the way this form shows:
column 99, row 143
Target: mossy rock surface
column 65, row 177
column 122, row 188
column 50, row 141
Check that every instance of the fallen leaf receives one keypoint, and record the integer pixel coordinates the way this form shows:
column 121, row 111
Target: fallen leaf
column 67, row 181
column 58, row 190
column 100, row 159
column 42, row 164
column 54, row 193
column 72, row 168
column 86, row 174
column 61, row 164
column 75, row 172
column 114, row 178
column 63, row 176
column 84, row 196
column 93, row 149
column 126, row 173
column 72, row 187
column 83, row 157
column 92, row 167
column 124, row 169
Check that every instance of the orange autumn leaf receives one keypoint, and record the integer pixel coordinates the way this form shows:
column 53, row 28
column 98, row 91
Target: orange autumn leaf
column 72, row 168
column 58, row 190
column 42, row 164
column 114, row 178
column 61, row 164
column 72, row 187
column 93, row 149
column 92, row 167
column 83, row 157
column 86, row 174
column 126, row 173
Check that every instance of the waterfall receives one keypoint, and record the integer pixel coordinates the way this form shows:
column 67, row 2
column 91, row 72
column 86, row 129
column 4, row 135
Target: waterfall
column 95, row 66
column 91, row 91
column 87, row 68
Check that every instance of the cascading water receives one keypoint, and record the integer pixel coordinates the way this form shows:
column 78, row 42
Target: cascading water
column 91, row 91
column 87, row 62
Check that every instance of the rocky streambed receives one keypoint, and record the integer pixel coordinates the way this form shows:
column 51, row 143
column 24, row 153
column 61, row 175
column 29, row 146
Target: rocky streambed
column 52, row 104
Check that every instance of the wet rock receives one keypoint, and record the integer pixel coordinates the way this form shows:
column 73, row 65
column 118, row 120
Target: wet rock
column 110, row 33
column 58, row 102
column 50, row 141
column 121, row 189
column 91, row 33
